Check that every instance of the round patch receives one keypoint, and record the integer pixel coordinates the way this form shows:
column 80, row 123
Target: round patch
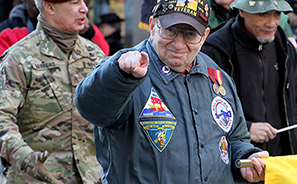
column 223, row 145
column 222, row 113
column 165, row 70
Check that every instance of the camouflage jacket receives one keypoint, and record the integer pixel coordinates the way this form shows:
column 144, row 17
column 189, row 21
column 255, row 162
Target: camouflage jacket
column 37, row 85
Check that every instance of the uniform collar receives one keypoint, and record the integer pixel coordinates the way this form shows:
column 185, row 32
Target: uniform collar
column 49, row 48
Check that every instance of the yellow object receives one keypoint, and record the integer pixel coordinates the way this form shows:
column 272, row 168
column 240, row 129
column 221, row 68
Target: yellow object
column 143, row 25
column 281, row 170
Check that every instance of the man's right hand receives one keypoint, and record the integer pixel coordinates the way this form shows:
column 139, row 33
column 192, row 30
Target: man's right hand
column 134, row 63
column 34, row 165
column 262, row 132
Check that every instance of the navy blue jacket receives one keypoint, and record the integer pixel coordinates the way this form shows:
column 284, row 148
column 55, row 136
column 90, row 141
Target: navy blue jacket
column 165, row 127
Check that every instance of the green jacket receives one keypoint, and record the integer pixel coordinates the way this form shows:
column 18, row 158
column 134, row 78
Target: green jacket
column 37, row 112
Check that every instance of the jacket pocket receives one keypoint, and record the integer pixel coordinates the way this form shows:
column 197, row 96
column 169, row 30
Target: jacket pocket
column 79, row 70
column 45, row 95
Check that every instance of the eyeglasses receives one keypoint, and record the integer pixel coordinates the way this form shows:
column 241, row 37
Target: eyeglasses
column 191, row 36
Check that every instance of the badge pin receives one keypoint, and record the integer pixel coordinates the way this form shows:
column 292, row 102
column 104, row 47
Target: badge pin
column 165, row 70
column 275, row 3
column 252, row 3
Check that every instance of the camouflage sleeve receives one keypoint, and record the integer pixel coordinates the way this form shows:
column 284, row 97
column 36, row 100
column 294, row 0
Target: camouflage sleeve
column 12, row 92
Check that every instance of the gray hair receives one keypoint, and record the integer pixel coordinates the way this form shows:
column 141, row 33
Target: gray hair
column 39, row 5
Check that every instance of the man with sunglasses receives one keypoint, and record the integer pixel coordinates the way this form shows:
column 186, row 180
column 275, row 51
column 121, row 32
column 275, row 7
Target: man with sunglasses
column 164, row 112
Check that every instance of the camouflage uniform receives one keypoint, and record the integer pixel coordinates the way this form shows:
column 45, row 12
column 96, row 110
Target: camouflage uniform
column 37, row 84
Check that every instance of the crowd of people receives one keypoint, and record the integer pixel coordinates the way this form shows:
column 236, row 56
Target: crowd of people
column 213, row 84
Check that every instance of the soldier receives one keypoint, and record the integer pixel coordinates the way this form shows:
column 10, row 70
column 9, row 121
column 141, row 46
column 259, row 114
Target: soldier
column 43, row 137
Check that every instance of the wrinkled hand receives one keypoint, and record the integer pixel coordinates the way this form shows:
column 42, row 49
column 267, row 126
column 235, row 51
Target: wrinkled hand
column 256, row 173
column 34, row 166
column 262, row 132
column 134, row 63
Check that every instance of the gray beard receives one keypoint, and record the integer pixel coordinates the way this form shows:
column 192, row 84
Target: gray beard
column 265, row 40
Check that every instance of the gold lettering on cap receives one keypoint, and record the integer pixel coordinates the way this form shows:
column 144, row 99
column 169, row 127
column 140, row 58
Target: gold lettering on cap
column 186, row 10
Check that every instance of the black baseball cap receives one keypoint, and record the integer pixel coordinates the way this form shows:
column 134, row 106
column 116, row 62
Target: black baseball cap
column 195, row 13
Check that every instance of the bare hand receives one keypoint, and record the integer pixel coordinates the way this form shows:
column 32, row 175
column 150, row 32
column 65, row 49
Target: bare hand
column 262, row 132
column 134, row 63
column 256, row 173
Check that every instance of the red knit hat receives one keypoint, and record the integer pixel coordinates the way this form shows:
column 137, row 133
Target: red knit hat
column 56, row 1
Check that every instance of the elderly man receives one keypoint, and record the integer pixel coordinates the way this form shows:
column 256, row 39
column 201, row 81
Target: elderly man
column 157, row 118
column 43, row 137
column 254, row 50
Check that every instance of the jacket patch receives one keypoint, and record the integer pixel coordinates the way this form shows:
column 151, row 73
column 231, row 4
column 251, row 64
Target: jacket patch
column 222, row 113
column 223, row 146
column 44, row 65
column 293, row 41
column 159, row 132
column 155, row 107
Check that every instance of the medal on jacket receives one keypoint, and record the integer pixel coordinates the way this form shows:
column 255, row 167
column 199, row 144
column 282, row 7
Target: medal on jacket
column 216, row 75
column 215, row 88
column 222, row 90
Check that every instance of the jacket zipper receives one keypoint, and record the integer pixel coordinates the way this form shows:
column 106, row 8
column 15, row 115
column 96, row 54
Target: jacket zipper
column 285, row 104
column 260, row 48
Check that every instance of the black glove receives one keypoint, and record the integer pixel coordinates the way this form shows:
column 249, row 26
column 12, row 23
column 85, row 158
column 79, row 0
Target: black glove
column 34, row 166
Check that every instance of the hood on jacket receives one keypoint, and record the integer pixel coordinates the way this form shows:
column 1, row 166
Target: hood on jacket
column 20, row 12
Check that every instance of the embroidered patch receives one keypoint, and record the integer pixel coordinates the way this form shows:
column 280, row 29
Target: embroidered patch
column 155, row 107
column 159, row 132
column 293, row 41
column 222, row 113
column 223, row 146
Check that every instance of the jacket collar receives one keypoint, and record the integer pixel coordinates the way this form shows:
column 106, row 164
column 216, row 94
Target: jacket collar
column 224, row 30
column 244, row 38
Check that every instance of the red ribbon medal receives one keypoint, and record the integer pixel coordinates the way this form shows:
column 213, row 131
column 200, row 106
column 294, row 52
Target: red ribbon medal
column 216, row 75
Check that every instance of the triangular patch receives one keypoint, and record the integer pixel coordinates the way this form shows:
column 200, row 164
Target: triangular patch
column 154, row 107
column 159, row 132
